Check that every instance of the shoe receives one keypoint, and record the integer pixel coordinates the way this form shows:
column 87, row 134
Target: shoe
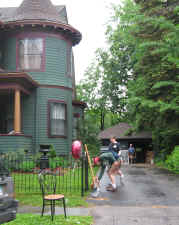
column 108, row 185
column 111, row 189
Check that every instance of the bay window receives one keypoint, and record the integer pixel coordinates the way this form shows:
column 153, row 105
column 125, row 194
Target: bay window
column 31, row 53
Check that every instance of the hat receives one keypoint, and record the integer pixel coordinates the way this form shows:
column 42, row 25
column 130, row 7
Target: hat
column 96, row 160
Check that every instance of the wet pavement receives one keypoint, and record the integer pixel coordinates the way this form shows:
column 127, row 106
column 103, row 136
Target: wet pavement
column 148, row 196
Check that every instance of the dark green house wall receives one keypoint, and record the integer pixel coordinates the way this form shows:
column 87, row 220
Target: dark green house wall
column 9, row 54
column 61, row 145
column 35, row 105
column 15, row 143
column 55, row 60
column 29, row 116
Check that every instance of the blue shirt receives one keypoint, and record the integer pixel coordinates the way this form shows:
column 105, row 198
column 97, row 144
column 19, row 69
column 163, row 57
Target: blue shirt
column 114, row 148
column 131, row 150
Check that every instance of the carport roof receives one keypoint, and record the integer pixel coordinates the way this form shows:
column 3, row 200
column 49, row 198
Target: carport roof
column 119, row 131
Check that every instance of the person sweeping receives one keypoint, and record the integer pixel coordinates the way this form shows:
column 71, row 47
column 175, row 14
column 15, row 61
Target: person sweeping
column 103, row 160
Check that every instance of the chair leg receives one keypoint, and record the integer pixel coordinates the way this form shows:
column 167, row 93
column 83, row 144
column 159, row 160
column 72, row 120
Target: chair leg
column 53, row 207
column 43, row 208
column 64, row 206
column 52, row 210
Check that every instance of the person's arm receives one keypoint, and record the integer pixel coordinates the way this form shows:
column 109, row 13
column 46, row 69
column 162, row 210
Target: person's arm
column 101, row 173
column 110, row 147
column 118, row 146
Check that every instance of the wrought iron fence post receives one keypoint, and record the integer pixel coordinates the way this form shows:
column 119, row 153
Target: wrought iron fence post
column 82, row 175
column 86, row 174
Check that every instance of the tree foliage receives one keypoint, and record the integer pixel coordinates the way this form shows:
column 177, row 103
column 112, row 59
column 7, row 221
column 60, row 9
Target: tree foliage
column 143, row 56
column 137, row 76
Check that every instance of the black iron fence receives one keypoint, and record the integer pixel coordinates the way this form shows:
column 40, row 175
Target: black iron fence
column 72, row 175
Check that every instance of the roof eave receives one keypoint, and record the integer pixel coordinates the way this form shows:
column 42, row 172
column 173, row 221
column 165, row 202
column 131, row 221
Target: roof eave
column 79, row 103
column 75, row 34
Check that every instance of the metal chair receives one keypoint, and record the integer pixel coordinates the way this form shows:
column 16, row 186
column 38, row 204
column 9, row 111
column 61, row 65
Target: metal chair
column 48, row 184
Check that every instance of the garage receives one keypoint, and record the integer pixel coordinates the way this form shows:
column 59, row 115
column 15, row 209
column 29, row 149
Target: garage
column 142, row 142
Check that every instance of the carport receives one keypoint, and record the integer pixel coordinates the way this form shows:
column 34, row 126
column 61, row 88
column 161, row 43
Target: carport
column 142, row 141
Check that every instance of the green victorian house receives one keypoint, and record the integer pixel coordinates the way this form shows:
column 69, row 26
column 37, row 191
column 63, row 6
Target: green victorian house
column 37, row 79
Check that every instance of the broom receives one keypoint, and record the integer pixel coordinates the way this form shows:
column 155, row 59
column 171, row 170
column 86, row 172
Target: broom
column 95, row 183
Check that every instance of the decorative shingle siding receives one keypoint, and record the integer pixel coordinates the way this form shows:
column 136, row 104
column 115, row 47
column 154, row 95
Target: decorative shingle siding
column 15, row 143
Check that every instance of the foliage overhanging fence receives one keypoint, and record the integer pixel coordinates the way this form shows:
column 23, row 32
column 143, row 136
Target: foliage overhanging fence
column 72, row 175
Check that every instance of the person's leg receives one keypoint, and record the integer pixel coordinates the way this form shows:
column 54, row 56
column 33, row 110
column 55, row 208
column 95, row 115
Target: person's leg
column 120, row 173
column 130, row 160
column 113, row 186
column 111, row 173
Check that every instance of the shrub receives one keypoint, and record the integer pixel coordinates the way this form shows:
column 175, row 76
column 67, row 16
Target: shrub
column 172, row 161
column 27, row 166
column 52, row 153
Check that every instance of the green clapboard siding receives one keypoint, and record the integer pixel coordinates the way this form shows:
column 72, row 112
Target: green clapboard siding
column 13, row 143
column 29, row 116
column 10, row 54
column 62, row 145
column 34, row 106
column 56, row 64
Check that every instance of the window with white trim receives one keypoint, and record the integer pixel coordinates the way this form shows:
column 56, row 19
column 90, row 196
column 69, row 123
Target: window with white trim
column 31, row 53
column 58, row 119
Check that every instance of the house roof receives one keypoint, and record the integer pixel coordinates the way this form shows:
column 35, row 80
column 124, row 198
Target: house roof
column 41, row 12
column 7, row 13
column 119, row 131
column 34, row 9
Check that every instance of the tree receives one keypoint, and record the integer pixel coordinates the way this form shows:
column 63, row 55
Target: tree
column 143, row 56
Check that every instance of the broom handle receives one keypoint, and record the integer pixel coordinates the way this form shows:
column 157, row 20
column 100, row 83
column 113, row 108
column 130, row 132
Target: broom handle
column 89, row 161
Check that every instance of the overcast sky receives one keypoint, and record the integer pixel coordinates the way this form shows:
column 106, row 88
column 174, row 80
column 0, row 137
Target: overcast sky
column 89, row 17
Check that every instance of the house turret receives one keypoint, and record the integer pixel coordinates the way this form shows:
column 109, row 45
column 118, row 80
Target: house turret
column 37, row 78
column 39, row 13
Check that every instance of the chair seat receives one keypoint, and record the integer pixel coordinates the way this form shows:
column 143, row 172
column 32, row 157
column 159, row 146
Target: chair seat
column 54, row 197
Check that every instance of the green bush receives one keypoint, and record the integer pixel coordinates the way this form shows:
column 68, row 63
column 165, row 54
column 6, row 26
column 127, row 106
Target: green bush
column 52, row 153
column 27, row 166
column 160, row 157
column 172, row 162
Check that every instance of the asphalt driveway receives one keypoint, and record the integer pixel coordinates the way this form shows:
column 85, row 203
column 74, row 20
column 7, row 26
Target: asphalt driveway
column 148, row 196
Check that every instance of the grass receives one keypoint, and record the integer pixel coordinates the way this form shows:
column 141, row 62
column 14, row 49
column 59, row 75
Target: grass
column 28, row 192
column 31, row 219
column 72, row 200
column 69, row 181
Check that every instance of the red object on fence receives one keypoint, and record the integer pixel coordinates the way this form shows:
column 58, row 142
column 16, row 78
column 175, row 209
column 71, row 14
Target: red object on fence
column 76, row 149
